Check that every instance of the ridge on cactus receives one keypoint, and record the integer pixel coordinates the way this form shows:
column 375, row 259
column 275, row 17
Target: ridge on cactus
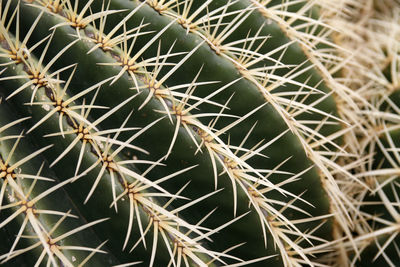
column 198, row 133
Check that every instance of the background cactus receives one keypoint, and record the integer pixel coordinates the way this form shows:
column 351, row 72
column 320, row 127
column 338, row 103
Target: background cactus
column 194, row 133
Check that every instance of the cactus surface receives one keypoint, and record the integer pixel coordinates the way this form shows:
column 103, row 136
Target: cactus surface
column 195, row 133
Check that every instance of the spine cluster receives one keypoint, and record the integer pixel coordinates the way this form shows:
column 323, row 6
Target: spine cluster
column 196, row 133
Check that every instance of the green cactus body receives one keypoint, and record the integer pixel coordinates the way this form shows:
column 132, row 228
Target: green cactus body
column 174, row 133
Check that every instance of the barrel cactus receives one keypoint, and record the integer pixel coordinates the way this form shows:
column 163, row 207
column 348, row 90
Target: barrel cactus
column 195, row 133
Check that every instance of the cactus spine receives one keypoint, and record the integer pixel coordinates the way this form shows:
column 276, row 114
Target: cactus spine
column 196, row 133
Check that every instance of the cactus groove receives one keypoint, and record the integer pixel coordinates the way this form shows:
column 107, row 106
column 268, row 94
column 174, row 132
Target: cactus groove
column 184, row 133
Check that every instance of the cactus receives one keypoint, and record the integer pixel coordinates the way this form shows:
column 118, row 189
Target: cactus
column 192, row 133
